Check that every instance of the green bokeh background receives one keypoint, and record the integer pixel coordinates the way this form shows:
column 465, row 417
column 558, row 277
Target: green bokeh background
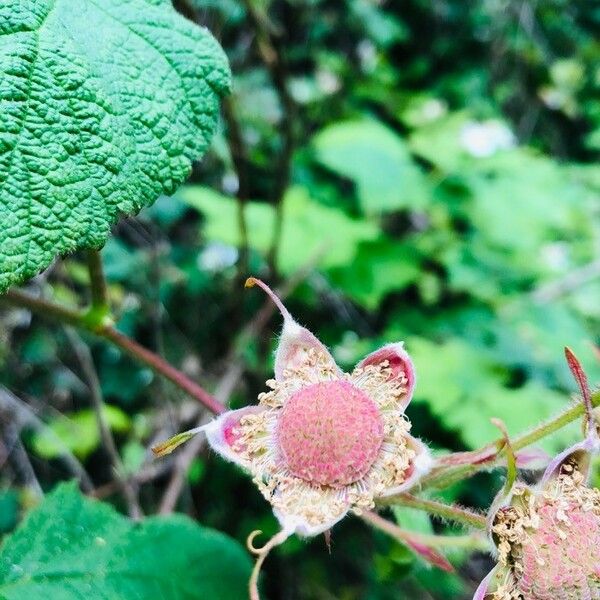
column 444, row 191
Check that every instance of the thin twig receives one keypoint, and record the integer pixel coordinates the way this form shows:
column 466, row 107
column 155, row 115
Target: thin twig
column 271, row 53
column 190, row 451
column 571, row 281
column 86, row 362
column 100, row 304
column 17, row 455
column 77, row 318
column 240, row 162
column 150, row 472
column 24, row 416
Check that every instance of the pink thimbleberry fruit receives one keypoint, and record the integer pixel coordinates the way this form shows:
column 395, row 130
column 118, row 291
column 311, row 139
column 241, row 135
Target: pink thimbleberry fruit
column 330, row 433
column 322, row 442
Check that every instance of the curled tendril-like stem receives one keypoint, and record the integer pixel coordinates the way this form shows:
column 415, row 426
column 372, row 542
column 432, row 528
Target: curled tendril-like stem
column 252, row 281
column 261, row 554
column 250, row 542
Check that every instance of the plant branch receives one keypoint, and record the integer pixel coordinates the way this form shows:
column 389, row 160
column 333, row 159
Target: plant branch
column 98, row 288
column 472, row 541
column 44, row 308
column 86, row 362
column 450, row 512
column 162, row 367
column 446, row 475
column 23, row 416
column 81, row 320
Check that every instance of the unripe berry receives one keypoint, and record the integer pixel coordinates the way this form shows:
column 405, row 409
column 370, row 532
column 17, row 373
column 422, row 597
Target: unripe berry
column 330, row 433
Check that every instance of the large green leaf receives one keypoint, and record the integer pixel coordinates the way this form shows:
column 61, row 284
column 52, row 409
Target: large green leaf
column 105, row 104
column 377, row 160
column 71, row 548
column 309, row 228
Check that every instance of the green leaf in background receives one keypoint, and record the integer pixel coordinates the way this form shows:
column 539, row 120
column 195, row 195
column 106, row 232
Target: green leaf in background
column 71, row 548
column 78, row 432
column 231, row 11
column 511, row 192
column 380, row 267
column 412, row 519
column 122, row 263
column 377, row 160
column 105, row 105
column 308, row 227
column 464, row 388
column 439, row 141
column 539, row 332
column 420, row 109
column 382, row 27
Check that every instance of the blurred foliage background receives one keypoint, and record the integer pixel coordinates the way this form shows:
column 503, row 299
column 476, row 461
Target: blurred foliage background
column 419, row 171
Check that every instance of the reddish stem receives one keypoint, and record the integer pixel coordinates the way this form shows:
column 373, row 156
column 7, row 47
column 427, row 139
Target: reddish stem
column 80, row 319
column 156, row 363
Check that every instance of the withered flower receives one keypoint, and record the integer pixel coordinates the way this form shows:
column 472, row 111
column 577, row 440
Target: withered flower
column 322, row 442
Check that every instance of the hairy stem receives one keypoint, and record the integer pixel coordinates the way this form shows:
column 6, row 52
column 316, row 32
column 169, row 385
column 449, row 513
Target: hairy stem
column 472, row 541
column 438, row 509
column 446, row 475
column 80, row 319
column 162, row 367
column 553, row 425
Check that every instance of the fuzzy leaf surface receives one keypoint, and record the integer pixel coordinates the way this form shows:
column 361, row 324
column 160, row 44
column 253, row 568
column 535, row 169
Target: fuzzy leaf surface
column 71, row 548
column 104, row 104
